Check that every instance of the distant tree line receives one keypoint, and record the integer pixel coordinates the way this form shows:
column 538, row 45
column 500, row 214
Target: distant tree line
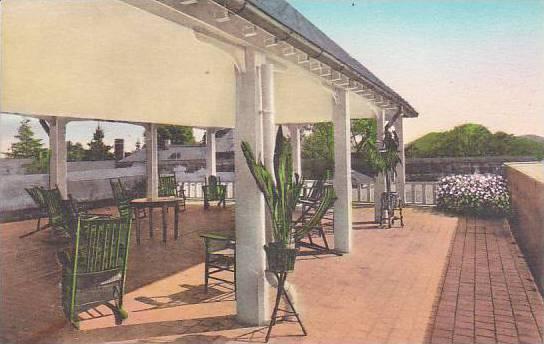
column 467, row 140
column 473, row 140
column 27, row 146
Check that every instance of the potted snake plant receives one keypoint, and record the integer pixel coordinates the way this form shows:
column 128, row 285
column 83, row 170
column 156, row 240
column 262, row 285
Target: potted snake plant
column 281, row 192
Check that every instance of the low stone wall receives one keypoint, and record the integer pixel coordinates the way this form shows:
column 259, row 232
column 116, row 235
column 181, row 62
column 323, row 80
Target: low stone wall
column 85, row 186
column 432, row 169
column 526, row 183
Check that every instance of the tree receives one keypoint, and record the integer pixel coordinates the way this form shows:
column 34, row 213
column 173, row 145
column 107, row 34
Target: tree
column 76, row 152
column 98, row 150
column 472, row 140
column 319, row 145
column 40, row 163
column 177, row 134
column 27, row 146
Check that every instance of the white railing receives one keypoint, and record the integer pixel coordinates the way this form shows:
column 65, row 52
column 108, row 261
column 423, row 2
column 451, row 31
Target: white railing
column 415, row 193
column 193, row 190
column 420, row 193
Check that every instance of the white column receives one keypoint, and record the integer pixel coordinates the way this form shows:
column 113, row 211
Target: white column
column 379, row 180
column 152, row 160
column 342, row 173
column 269, row 129
column 296, row 147
column 269, row 125
column 251, row 286
column 58, row 171
column 401, row 168
column 211, row 163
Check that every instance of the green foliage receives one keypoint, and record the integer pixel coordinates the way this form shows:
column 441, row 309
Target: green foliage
column 473, row 140
column 282, row 193
column 319, row 145
column 40, row 163
column 364, row 134
column 27, row 145
column 98, row 150
column 177, row 134
column 76, row 152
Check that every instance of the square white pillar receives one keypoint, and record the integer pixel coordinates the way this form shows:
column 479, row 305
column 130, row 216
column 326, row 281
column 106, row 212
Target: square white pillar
column 211, row 162
column 342, row 173
column 269, row 129
column 251, row 286
column 401, row 168
column 269, row 125
column 151, row 161
column 296, row 143
column 58, row 171
column 379, row 180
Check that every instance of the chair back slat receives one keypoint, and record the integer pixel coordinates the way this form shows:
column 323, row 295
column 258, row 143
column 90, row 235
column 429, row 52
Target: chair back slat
column 121, row 197
column 168, row 186
column 101, row 244
column 53, row 201
column 37, row 196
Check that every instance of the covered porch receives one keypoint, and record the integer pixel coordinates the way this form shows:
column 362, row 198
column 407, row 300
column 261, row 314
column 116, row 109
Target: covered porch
column 196, row 63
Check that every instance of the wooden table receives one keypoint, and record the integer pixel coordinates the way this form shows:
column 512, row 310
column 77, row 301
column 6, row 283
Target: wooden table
column 159, row 202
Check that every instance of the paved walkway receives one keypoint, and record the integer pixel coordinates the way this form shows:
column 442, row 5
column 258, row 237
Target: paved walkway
column 488, row 295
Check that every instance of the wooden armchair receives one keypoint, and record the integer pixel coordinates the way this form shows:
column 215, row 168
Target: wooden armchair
column 37, row 196
column 220, row 250
column 94, row 267
column 213, row 190
column 169, row 187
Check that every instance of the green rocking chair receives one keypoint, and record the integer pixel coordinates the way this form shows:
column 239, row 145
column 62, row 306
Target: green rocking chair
column 94, row 268
column 213, row 190
column 168, row 187
column 37, row 196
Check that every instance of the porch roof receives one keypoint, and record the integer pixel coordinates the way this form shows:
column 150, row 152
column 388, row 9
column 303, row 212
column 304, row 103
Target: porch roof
column 282, row 12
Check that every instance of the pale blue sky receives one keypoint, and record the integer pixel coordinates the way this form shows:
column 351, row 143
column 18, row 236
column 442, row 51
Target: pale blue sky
column 454, row 61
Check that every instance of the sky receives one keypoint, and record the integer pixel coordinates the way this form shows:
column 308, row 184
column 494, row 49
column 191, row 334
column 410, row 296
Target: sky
column 454, row 61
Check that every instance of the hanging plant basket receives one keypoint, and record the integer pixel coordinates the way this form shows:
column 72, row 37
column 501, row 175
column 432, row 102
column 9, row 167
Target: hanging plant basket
column 279, row 257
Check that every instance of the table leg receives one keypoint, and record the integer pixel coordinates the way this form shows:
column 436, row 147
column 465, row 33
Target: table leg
column 138, row 234
column 150, row 222
column 164, row 224
column 176, row 220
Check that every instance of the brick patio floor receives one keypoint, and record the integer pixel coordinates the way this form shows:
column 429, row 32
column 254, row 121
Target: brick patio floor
column 383, row 292
column 488, row 293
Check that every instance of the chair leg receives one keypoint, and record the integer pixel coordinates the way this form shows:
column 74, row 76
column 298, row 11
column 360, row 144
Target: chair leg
column 206, row 270
column 324, row 237
column 401, row 217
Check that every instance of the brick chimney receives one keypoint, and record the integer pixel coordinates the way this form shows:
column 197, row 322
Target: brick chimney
column 119, row 149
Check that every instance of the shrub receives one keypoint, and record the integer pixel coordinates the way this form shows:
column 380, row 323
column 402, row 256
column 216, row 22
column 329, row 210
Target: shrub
column 476, row 194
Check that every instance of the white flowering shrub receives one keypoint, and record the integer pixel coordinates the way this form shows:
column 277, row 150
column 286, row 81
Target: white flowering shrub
column 474, row 194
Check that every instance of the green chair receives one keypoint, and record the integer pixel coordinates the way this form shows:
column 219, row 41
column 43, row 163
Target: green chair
column 56, row 211
column 310, row 206
column 94, row 268
column 213, row 190
column 169, row 187
column 37, row 196
column 122, row 198
column 220, row 254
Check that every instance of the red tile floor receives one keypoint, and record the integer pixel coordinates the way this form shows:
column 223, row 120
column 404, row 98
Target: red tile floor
column 396, row 287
